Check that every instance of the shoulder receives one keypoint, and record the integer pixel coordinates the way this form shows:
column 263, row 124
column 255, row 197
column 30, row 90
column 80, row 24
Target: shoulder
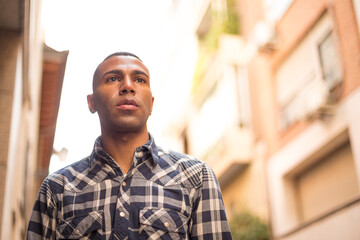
column 191, row 168
column 177, row 156
column 70, row 177
column 182, row 159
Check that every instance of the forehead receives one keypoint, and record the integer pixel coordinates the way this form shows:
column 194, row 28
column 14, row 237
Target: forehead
column 123, row 63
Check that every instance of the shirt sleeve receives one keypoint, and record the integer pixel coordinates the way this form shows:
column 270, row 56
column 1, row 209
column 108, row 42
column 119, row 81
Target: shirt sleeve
column 42, row 223
column 209, row 217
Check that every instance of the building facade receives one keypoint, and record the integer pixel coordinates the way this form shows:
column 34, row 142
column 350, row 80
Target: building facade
column 20, row 76
column 274, row 111
column 216, row 123
column 313, row 137
column 30, row 86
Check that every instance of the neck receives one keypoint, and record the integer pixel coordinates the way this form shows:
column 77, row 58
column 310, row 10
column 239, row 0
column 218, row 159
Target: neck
column 121, row 146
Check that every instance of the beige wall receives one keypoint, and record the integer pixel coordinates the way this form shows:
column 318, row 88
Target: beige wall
column 9, row 54
column 20, row 81
column 247, row 192
column 342, row 225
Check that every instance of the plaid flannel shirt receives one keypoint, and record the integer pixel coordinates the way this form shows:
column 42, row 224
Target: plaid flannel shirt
column 165, row 195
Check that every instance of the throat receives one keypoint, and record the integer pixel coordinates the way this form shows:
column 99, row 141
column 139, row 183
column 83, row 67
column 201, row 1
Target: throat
column 122, row 148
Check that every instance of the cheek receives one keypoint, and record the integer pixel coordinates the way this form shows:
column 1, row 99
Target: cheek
column 149, row 101
column 104, row 95
column 150, row 106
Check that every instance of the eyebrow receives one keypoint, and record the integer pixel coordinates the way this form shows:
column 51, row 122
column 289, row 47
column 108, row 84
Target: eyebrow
column 139, row 72
column 120, row 72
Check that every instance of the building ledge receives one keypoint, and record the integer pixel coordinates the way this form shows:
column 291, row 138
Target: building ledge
column 232, row 155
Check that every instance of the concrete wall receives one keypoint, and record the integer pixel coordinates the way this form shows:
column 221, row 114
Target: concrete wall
column 341, row 225
column 10, row 43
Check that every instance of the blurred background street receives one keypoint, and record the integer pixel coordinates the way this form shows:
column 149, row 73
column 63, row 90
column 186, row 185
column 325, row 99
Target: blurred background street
column 267, row 92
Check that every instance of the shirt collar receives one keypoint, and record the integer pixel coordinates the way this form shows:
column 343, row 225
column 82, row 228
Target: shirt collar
column 151, row 146
column 99, row 152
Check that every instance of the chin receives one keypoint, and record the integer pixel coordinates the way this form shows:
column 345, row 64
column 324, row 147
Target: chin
column 130, row 127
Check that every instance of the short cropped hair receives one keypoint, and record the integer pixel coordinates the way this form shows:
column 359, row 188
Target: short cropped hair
column 122, row 54
column 128, row 54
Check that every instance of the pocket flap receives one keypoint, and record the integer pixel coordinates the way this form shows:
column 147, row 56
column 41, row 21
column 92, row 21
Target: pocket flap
column 167, row 220
column 79, row 226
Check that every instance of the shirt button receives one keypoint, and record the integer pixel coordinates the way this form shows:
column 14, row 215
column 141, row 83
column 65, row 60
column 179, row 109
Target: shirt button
column 124, row 184
column 166, row 224
column 122, row 214
column 76, row 231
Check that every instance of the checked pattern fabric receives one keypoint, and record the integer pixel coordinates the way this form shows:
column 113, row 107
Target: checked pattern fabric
column 165, row 195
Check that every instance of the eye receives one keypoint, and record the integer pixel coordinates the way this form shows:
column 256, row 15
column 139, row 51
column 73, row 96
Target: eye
column 112, row 79
column 139, row 79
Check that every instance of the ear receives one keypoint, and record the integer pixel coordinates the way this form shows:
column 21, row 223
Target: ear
column 91, row 104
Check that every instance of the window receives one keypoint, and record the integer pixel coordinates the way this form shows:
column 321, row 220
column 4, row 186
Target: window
column 330, row 65
column 327, row 184
column 305, row 79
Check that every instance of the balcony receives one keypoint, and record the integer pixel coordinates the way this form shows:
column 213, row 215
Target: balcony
column 232, row 154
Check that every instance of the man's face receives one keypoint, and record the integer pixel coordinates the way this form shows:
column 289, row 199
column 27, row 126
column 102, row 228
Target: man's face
column 122, row 95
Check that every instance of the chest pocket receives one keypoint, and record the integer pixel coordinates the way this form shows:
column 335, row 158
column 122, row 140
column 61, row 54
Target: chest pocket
column 81, row 227
column 161, row 223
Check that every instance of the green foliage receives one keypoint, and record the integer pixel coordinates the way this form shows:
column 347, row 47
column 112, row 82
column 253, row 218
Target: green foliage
column 199, row 70
column 222, row 22
column 210, row 42
column 231, row 23
column 245, row 226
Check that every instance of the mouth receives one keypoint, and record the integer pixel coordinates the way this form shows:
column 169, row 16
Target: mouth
column 127, row 104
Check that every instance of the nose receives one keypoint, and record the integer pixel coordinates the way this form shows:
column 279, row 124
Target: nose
column 127, row 86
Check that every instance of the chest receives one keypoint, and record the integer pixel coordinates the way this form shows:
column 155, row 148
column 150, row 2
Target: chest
column 133, row 208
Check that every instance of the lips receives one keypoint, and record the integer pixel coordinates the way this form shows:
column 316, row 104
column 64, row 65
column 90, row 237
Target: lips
column 127, row 104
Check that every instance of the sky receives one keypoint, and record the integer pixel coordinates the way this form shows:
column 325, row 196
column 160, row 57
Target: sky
column 90, row 30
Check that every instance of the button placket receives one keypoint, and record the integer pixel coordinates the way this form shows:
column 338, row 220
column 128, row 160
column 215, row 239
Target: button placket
column 125, row 184
column 122, row 216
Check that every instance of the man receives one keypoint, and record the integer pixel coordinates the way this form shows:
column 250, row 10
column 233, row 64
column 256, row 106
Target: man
column 128, row 188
